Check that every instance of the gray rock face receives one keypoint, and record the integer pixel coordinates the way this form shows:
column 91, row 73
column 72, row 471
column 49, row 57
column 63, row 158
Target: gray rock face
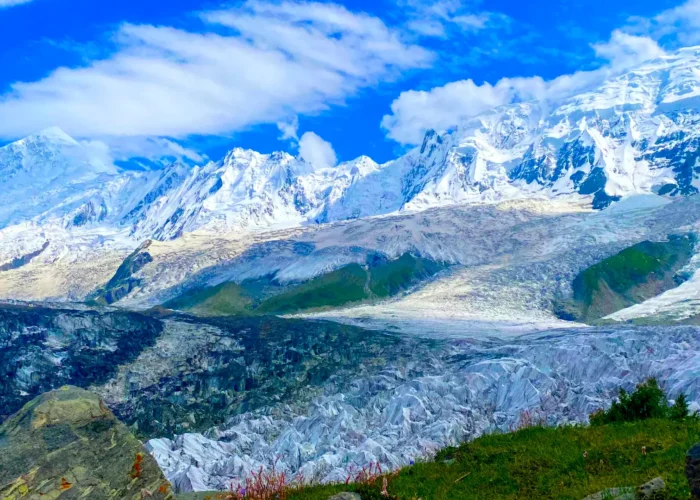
column 345, row 496
column 651, row 490
column 43, row 348
column 692, row 471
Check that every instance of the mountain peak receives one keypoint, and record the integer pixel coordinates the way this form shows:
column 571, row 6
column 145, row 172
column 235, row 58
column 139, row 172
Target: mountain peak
column 57, row 135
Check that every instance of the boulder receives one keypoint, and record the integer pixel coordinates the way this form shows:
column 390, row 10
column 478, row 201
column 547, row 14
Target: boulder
column 68, row 444
column 651, row 490
column 692, row 471
column 613, row 494
column 345, row 496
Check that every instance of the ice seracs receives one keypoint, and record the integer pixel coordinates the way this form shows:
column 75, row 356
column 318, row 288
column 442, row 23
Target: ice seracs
column 469, row 388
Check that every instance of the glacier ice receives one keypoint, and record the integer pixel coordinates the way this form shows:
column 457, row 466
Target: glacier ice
column 469, row 387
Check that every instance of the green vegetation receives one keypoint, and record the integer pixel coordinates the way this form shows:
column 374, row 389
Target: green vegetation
column 632, row 276
column 647, row 401
column 226, row 299
column 352, row 284
column 391, row 277
column 337, row 288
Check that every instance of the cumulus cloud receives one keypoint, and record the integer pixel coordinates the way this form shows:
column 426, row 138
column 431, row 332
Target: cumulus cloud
column 624, row 50
column 314, row 150
column 260, row 63
column 444, row 107
column 11, row 3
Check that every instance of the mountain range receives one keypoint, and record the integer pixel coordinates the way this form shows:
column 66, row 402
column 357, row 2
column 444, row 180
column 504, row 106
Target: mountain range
column 454, row 283
column 637, row 133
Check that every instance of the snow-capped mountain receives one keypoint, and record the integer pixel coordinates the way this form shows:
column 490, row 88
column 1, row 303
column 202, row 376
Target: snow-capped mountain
column 46, row 171
column 636, row 133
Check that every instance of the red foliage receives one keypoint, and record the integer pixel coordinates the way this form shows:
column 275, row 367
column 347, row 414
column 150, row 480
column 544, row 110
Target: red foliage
column 136, row 468
column 65, row 485
column 265, row 485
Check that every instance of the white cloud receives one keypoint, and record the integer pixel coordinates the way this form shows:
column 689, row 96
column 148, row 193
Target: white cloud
column 435, row 18
column 12, row 3
column 681, row 24
column 624, row 50
column 277, row 60
column 160, row 150
column 444, row 107
column 289, row 129
column 314, row 150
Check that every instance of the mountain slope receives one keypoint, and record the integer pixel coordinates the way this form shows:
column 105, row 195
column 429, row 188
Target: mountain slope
column 43, row 172
column 636, row 133
column 62, row 209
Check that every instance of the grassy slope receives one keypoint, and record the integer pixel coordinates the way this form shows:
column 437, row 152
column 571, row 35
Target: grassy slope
column 395, row 276
column 351, row 284
column 337, row 288
column 546, row 463
column 636, row 274
column 226, row 299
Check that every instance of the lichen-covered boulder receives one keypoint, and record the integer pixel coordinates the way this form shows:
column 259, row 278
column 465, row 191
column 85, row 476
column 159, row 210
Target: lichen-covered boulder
column 67, row 444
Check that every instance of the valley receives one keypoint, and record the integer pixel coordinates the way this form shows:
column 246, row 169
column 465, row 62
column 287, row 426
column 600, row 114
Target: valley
column 259, row 311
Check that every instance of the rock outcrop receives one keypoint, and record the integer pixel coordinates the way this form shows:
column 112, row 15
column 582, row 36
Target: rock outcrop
column 67, row 444
column 692, row 471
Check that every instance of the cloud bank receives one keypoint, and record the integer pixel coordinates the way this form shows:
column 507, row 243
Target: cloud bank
column 257, row 64
column 446, row 106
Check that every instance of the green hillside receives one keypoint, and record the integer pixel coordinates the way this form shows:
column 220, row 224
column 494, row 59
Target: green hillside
column 352, row 284
column 630, row 277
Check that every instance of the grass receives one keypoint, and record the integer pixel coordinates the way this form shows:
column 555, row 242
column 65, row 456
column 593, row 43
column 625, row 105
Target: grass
column 351, row 284
column 337, row 288
column 226, row 299
column 635, row 274
column 394, row 276
column 545, row 463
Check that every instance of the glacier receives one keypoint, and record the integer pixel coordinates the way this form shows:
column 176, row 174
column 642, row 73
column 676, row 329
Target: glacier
column 518, row 200
column 469, row 387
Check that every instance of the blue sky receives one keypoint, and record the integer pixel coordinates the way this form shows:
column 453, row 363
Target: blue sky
column 327, row 80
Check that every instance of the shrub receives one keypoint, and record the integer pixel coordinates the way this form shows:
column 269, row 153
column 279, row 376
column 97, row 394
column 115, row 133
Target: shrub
column 647, row 401
column 679, row 410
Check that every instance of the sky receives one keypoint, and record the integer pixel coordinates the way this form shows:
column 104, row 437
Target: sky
column 147, row 81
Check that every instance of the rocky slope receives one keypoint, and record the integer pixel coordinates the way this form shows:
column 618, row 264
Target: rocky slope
column 67, row 444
